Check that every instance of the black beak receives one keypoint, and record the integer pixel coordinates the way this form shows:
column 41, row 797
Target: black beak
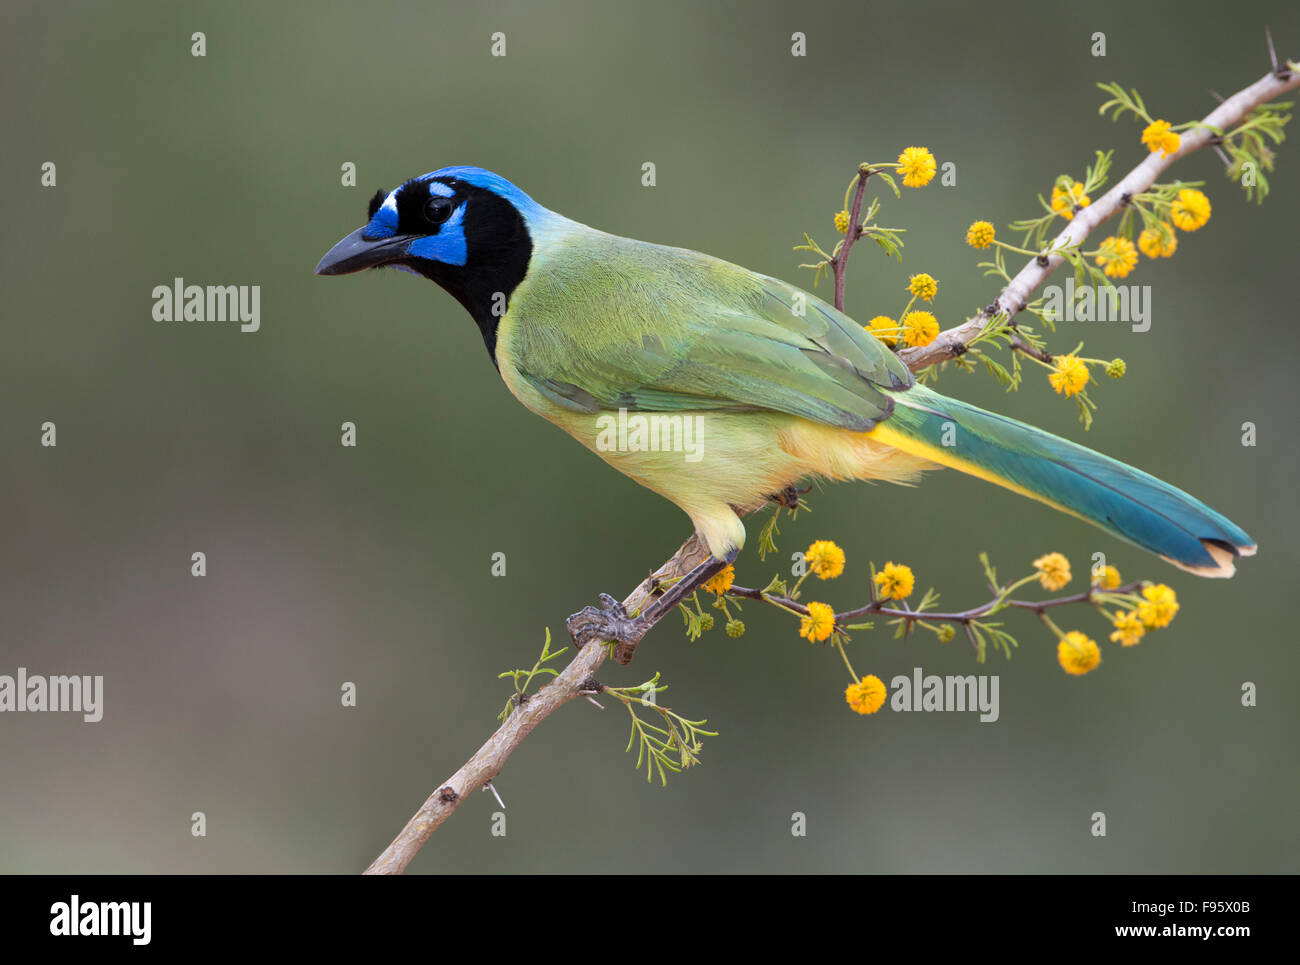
column 355, row 253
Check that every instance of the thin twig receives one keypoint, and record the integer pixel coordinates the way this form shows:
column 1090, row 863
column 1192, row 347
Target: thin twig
column 851, row 234
column 878, row 607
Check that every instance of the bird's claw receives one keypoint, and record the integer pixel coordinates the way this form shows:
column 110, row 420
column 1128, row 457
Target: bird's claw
column 607, row 623
column 788, row 498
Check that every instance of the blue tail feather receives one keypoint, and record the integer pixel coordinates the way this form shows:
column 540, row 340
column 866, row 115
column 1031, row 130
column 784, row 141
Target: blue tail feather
column 1129, row 503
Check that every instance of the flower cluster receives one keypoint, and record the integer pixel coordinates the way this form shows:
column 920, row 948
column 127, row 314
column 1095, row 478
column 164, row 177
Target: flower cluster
column 818, row 623
column 1071, row 375
column 1160, row 136
column 895, row 581
column 981, row 234
column 918, row 166
column 1188, row 210
column 867, row 695
column 1068, row 199
column 1078, row 653
column 1053, row 571
column 1133, row 611
column 825, row 559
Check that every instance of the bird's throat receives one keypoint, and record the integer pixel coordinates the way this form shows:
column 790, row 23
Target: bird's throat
column 500, row 249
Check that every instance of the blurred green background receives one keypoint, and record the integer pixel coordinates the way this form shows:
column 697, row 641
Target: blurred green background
column 372, row 564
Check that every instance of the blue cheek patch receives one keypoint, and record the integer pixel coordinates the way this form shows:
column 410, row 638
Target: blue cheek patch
column 448, row 245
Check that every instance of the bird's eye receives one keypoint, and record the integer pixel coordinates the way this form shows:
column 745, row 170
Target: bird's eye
column 438, row 209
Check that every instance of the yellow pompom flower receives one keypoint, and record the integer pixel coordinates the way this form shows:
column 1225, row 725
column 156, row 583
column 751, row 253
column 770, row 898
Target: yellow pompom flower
column 866, row 696
column 1064, row 201
column 919, row 328
column 1158, row 607
column 1129, row 629
column 895, row 581
column 721, row 582
column 1053, row 571
column 1071, row 375
column 825, row 559
column 818, row 624
column 918, row 166
column 980, row 234
column 1077, row 653
column 1158, row 242
column 884, row 328
column 1190, row 210
column 923, row 286
column 1159, row 136
column 1109, row 578
column 842, row 222
column 1117, row 257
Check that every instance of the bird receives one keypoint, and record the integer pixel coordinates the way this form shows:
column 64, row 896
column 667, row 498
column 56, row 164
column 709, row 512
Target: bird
column 776, row 386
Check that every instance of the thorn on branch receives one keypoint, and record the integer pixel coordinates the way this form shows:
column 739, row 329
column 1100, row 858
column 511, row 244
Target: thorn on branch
column 489, row 786
column 1020, row 345
column 1280, row 72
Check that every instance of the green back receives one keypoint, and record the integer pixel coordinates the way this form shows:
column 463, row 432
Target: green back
column 603, row 322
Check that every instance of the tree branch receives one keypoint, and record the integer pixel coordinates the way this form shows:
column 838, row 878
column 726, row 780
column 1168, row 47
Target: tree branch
column 1012, row 299
column 576, row 680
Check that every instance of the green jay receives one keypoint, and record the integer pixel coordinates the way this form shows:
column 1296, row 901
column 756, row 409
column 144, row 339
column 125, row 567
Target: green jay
column 770, row 384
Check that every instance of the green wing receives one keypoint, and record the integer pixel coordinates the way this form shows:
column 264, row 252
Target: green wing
column 612, row 323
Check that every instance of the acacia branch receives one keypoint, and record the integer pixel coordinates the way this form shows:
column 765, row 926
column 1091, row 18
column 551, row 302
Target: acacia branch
column 577, row 679
column 1013, row 298
column 851, row 234
column 962, row 617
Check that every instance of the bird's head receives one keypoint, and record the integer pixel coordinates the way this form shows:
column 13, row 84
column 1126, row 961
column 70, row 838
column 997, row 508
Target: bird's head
column 463, row 227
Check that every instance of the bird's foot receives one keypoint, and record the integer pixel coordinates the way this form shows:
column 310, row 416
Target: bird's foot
column 608, row 623
column 789, row 496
